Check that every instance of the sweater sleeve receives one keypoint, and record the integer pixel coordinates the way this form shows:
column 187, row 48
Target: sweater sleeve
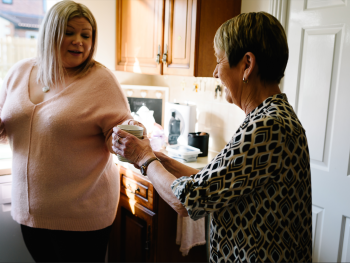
column 116, row 108
column 3, row 95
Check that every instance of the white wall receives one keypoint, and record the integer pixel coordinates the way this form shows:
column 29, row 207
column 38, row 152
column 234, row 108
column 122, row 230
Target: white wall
column 255, row 6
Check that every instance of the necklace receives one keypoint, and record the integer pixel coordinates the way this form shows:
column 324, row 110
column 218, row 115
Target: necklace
column 46, row 89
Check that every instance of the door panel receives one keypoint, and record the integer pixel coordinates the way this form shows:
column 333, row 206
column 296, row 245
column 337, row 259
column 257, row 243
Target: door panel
column 179, row 37
column 317, row 72
column 317, row 226
column 134, row 236
column 311, row 4
column 344, row 253
column 138, row 52
column 317, row 85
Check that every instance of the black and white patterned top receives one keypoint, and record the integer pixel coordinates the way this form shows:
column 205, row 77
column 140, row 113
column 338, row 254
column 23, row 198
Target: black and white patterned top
column 258, row 189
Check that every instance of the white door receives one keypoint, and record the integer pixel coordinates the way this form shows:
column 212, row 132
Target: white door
column 317, row 84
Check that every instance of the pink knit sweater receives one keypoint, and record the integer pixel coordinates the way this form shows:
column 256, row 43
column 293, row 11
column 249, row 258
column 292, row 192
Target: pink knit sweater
column 63, row 174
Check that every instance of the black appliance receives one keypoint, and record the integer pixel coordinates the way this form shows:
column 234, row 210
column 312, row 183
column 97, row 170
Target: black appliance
column 199, row 140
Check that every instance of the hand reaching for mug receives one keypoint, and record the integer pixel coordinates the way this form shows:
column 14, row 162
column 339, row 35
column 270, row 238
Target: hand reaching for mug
column 135, row 150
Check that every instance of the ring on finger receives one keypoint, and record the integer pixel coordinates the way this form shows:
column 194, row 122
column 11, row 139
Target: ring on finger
column 118, row 139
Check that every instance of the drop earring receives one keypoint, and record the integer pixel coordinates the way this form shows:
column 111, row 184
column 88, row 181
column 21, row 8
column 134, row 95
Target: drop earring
column 245, row 80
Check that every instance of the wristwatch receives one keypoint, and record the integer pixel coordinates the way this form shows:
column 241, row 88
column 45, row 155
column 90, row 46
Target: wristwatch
column 143, row 167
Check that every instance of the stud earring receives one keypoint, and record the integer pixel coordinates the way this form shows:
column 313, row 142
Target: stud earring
column 245, row 80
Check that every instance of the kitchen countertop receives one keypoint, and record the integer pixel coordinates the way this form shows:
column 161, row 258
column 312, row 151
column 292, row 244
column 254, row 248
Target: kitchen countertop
column 5, row 164
column 199, row 164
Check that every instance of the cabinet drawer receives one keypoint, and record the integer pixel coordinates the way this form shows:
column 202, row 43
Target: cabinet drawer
column 137, row 188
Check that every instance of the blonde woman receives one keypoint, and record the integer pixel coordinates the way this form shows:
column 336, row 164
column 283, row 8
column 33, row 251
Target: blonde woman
column 58, row 112
column 258, row 188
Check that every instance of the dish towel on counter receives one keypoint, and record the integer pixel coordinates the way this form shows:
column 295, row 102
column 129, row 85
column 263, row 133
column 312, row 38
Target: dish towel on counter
column 189, row 233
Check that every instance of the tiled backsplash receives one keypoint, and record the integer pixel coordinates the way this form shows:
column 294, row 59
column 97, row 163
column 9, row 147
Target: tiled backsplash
column 214, row 115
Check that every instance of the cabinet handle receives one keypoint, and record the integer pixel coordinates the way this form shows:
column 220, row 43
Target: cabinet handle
column 158, row 55
column 165, row 55
column 131, row 190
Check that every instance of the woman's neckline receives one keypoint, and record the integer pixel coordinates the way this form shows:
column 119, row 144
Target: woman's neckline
column 57, row 94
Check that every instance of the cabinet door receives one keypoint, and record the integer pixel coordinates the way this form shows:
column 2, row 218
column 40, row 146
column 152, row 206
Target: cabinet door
column 179, row 37
column 132, row 238
column 139, row 35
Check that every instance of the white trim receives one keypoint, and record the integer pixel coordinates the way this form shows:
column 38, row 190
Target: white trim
column 140, row 87
column 278, row 8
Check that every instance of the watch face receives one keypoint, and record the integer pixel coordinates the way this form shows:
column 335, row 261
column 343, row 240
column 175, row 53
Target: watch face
column 142, row 168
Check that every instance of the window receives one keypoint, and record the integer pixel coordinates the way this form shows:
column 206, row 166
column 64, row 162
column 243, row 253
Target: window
column 20, row 21
column 10, row 2
column 44, row 6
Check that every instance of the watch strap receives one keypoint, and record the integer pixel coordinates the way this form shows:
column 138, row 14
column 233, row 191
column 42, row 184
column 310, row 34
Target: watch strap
column 144, row 167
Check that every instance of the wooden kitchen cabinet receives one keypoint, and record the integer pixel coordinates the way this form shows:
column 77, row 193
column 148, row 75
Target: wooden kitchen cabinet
column 132, row 239
column 176, row 33
column 145, row 226
column 139, row 35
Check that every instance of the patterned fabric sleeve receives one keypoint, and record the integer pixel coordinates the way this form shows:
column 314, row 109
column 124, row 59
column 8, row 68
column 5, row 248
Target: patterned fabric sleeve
column 248, row 161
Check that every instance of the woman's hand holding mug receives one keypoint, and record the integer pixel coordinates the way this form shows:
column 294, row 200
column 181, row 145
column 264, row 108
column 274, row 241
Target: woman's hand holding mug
column 135, row 150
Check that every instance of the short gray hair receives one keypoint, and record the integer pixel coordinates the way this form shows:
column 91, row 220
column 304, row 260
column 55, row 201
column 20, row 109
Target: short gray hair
column 53, row 28
column 259, row 33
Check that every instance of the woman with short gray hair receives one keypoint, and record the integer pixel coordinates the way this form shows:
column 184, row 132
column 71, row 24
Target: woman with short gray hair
column 58, row 112
column 258, row 188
